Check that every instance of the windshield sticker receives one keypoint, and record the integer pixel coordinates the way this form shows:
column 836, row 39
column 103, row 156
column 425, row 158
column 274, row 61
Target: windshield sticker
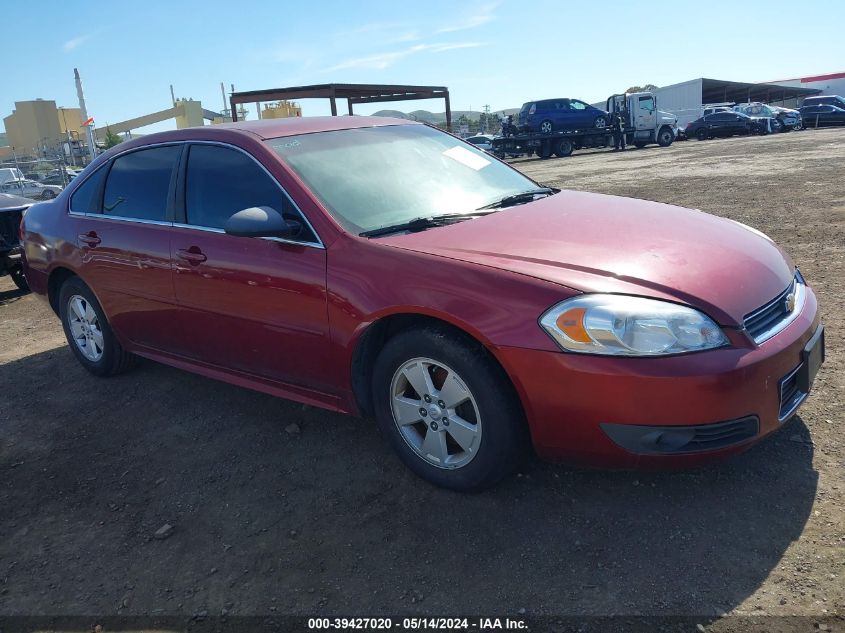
column 466, row 157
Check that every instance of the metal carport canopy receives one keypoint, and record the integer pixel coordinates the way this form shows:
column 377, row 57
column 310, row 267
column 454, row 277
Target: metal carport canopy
column 353, row 93
column 718, row 91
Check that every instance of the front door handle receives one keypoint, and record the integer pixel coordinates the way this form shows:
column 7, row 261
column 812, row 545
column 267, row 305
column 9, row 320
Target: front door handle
column 90, row 238
column 193, row 255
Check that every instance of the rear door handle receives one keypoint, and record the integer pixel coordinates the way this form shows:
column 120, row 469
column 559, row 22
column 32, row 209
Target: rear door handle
column 193, row 255
column 90, row 238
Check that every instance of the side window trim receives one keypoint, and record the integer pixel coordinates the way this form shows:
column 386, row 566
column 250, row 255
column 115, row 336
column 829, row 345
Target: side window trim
column 181, row 217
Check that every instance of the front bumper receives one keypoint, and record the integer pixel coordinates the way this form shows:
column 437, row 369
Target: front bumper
column 574, row 403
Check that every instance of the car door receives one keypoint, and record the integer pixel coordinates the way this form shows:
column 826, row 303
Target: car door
column 124, row 243
column 581, row 115
column 252, row 305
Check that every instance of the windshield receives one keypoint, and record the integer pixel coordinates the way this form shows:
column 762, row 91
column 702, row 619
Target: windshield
column 379, row 176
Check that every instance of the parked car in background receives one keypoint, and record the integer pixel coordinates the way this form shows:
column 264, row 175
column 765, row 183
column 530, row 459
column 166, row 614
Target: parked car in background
column 10, row 173
column 713, row 108
column 722, row 124
column 787, row 119
column 834, row 100
column 385, row 268
column 12, row 209
column 482, row 141
column 31, row 189
column 552, row 115
column 822, row 115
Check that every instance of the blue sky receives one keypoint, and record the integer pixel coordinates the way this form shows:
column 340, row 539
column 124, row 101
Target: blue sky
column 487, row 52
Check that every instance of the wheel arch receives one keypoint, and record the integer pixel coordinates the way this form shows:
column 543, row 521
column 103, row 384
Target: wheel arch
column 55, row 279
column 373, row 336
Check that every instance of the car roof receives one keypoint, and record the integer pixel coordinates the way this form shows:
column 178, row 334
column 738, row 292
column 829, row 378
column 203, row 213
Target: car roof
column 277, row 128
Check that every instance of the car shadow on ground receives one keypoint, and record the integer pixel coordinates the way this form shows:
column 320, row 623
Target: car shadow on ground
column 321, row 518
column 10, row 296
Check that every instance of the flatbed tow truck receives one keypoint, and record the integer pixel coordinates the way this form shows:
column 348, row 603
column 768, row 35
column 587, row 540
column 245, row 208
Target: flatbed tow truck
column 644, row 124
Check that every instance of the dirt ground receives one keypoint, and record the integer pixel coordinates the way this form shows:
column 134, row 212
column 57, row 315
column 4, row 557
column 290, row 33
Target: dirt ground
column 327, row 521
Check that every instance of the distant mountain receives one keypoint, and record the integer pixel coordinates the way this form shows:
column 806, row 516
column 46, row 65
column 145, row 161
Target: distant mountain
column 440, row 117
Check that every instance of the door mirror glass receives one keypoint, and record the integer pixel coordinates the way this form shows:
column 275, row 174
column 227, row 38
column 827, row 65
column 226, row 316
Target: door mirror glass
column 262, row 222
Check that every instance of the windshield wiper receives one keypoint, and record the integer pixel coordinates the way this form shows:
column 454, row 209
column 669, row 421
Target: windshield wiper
column 424, row 222
column 519, row 198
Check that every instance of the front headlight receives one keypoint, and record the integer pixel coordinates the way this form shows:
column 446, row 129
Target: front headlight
column 620, row 325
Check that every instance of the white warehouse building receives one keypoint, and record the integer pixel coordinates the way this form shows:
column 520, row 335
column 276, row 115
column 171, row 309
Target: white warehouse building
column 685, row 100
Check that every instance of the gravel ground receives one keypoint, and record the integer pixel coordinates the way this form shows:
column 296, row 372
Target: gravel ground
column 321, row 518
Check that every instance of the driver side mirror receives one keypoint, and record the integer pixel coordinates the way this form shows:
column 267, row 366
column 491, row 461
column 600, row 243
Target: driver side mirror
column 261, row 222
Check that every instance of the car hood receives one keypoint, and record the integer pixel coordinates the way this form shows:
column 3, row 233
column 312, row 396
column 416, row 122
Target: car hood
column 598, row 243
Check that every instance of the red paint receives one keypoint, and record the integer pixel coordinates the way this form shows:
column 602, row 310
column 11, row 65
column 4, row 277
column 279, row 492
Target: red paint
column 286, row 319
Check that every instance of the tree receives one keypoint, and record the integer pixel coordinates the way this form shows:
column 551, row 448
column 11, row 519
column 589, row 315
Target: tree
column 111, row 139
column 645, row 88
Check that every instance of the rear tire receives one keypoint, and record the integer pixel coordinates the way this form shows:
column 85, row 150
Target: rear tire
column 702, row 134
column 546, row 127
column 564, row 148
column 490, row 433
column 600, row 123
column 95, row 345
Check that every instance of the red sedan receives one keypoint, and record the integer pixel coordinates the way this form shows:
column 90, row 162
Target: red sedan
column 389, row 270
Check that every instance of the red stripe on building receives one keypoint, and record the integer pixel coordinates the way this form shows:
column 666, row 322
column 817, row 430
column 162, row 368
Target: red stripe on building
column 806, row 80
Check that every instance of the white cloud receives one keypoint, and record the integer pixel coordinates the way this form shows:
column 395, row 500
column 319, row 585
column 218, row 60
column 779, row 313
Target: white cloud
column 482, row 15
column 380, row 61
column 74, row 43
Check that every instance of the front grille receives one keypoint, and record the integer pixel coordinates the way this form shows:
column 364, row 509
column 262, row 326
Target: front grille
column 713, row 436
column 790, row 394
column 9, row 223
column 767, row 320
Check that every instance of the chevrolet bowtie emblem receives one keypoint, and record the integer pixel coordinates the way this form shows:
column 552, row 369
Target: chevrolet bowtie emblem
column 790, row 302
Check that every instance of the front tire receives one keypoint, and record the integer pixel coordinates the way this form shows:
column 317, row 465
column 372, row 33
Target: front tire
column 88, row 333
column 448, row 409
column 19, row 279
column 600, row 123
column 665, row 137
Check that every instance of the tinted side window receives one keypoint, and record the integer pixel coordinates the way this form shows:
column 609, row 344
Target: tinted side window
column 138, row 184
column 222, row 181
column 86, row 199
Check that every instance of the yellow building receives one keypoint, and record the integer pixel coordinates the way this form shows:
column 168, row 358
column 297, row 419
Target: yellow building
column 281, row 110
column 34, row 125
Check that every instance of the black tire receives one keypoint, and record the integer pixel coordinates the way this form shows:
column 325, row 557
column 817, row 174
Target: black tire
column 48, row 194
column 600, row 123
column 665, row 136
column 702, row 134
column 114, row 359
column 19, row 279
column 563, row 148
column 640, row 144
column 504, row 437
column 546, row 127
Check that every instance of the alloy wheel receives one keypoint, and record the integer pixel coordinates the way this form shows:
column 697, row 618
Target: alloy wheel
column 85, row 328
column 546, row 127
column 435, row 413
